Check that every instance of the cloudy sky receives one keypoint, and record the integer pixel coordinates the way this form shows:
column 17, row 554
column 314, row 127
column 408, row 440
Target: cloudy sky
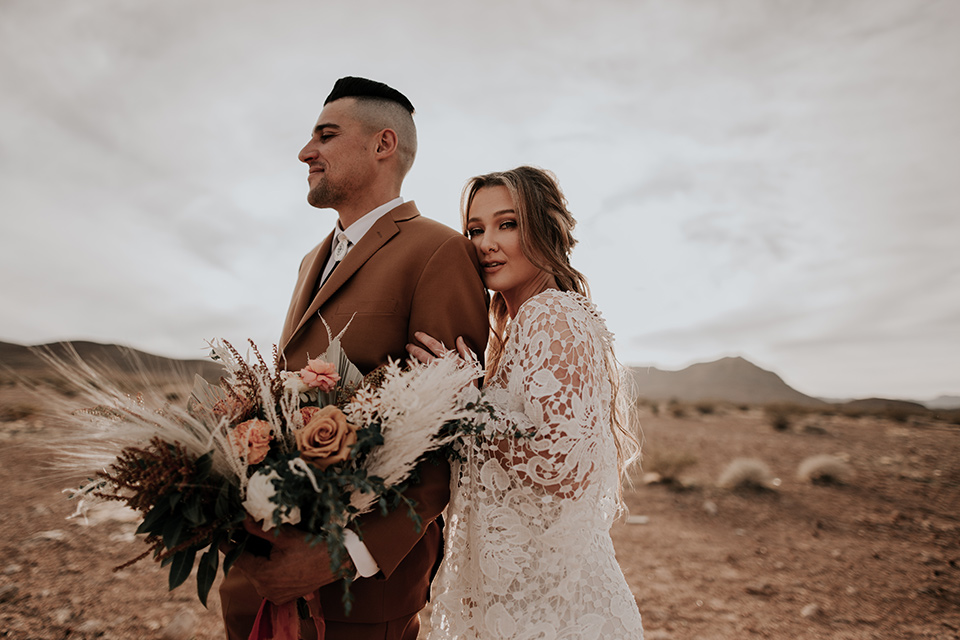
column 776, row 179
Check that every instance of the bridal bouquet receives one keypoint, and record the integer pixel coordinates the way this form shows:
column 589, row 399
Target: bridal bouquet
column 314, row 449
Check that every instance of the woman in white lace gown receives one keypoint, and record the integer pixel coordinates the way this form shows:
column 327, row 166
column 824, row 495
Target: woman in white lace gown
column 528, row 551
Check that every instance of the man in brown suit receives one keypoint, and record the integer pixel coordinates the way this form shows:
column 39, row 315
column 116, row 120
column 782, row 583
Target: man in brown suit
column 389, row 273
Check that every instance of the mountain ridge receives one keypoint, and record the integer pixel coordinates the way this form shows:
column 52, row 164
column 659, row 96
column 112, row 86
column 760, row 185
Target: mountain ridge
column 731, row 379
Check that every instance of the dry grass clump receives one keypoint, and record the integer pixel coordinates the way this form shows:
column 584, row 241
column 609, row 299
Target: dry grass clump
column 747, row 473
column 782, row 416
column 825, row 469
column 666, row 466
column 705, row 408
column 778, row 419
column 898, row 414
column 676, row 408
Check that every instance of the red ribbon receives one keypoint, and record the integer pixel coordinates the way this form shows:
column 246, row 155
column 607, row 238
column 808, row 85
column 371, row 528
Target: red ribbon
column 281, row 622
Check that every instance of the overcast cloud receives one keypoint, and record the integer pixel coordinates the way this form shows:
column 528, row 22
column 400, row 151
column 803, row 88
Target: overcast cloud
column 772, row 179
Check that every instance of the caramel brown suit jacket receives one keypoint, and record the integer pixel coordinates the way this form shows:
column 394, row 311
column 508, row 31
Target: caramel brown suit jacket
column 408, row 273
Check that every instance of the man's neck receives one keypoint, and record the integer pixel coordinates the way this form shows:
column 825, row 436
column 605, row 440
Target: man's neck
column 353, row 211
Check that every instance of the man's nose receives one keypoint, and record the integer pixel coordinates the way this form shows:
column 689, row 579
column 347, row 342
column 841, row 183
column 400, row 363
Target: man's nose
column 307, row 154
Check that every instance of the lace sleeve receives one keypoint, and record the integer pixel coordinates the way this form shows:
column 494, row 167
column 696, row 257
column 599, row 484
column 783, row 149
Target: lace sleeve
column 553, row 379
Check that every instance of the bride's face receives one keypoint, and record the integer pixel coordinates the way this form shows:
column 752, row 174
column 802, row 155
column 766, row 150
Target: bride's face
column 492, row 226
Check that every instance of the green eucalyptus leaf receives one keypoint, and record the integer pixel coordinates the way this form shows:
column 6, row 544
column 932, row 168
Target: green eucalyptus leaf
column 154, row 518
column 233, row 554
column 193, row 511
column 181, row 566
column 172, row 532
column 207, row 572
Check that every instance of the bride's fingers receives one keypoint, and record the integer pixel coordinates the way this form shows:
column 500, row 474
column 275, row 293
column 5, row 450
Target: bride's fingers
column 465, row 352
column 419, row 353
column 431, row 343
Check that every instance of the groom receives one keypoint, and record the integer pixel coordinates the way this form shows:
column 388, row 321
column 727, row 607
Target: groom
column 388, row 272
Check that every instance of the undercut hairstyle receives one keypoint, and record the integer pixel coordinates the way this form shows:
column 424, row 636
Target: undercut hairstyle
column 546, row 240
column 378, row 107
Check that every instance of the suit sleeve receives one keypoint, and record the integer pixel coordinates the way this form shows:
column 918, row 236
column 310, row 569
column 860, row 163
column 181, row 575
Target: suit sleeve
column 449, row 301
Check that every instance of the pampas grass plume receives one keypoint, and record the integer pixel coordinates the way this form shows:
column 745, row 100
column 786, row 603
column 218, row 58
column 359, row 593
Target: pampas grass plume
column 747, row 473
column 824, row 469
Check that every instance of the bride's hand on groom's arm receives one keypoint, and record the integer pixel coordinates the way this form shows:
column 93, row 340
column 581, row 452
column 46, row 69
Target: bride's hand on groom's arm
column 294, row 568
column 435, row 348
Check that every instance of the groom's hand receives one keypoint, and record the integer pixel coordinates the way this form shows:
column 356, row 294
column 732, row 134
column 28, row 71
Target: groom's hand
column 294, row 569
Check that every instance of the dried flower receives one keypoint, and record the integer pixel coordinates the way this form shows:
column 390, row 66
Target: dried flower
column 260, row 504
column 293, row 383
column 233, row 408
column 320, row 374
column 326, row 439
column 253, row 437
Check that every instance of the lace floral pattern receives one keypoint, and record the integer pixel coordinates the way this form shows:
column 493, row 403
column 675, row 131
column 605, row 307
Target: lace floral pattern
column 528, row 551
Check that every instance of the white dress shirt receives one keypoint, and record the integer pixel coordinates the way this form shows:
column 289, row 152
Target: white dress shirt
column 354, row 232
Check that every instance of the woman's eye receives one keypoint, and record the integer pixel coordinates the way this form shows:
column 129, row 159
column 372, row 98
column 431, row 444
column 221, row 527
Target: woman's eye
column 508, row 224
column 471, row 233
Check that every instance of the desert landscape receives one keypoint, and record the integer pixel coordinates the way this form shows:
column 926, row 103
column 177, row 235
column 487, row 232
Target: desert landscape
column 770, row 519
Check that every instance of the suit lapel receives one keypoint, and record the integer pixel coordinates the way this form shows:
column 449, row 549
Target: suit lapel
column 378, row 235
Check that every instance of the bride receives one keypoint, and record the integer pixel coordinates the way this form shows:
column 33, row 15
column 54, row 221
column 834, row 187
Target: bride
column 528, row 549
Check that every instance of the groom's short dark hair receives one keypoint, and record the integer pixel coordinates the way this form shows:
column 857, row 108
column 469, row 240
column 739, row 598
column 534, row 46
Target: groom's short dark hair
column 353, row 87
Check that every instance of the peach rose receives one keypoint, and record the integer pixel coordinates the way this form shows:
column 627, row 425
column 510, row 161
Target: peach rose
column 253, row 436
column 319, row 374
column 326, row 439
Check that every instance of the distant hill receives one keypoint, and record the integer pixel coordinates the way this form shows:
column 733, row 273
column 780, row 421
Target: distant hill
column 943, row 402
column 874, row 405
column 24, row 361
column 730, row 379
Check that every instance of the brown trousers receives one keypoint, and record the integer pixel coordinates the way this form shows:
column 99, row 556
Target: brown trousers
column 240, row 603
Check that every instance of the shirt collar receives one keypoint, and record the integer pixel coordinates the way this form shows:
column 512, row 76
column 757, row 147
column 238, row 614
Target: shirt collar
column 359, row 228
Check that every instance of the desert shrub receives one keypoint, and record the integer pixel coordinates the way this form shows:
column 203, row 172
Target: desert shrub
column 705, row 408
column 747, row 473
column 896, row 414
column 779, row 420
column 824, row 469
column 668, row 464
column 743, row 407
column 676, row 409
column 852, row 412
column 781, row 416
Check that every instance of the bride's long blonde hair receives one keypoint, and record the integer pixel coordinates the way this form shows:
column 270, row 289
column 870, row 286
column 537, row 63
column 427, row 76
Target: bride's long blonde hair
column 546, row 240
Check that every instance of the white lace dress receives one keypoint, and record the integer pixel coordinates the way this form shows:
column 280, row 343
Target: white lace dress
column 528, row 551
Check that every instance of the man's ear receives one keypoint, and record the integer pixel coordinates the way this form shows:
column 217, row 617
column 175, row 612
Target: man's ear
column 387, row 143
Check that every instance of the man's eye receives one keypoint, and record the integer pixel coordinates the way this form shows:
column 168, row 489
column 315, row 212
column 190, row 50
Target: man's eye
column 326, row 137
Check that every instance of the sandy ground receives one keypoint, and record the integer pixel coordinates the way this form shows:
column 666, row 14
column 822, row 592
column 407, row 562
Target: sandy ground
column 876, row 558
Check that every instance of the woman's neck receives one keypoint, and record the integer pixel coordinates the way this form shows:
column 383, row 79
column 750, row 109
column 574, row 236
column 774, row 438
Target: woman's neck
column 515, row 299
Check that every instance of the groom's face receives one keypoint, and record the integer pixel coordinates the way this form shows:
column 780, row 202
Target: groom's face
column 338, row 155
